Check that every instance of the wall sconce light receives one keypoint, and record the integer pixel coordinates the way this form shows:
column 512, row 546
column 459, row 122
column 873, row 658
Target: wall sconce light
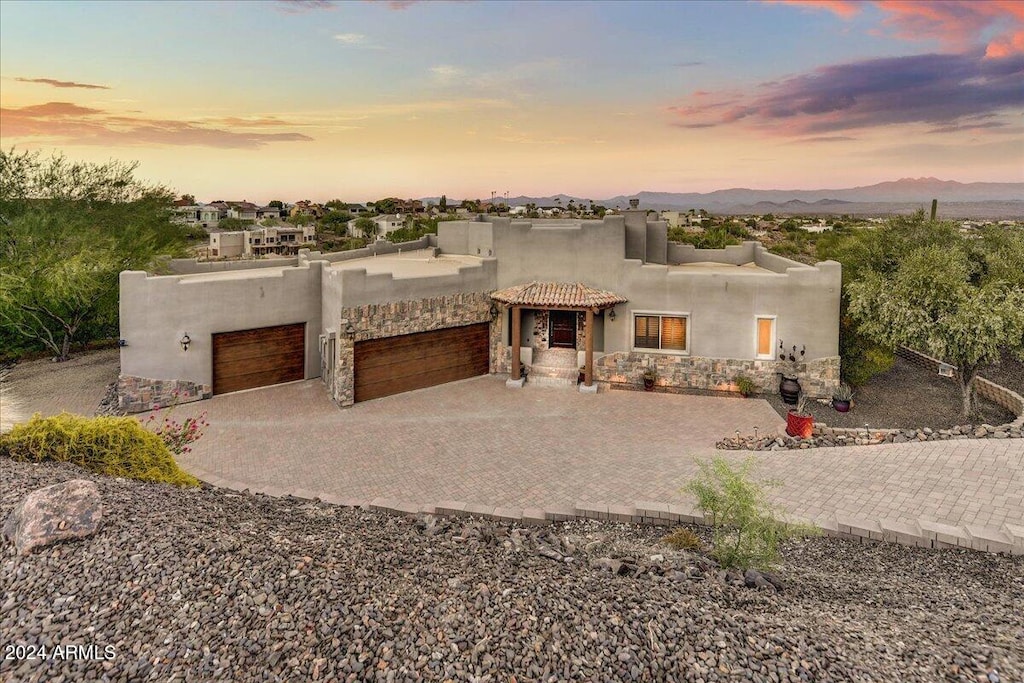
column 494, row 310
column 185, row 341
column 122, row 343
column 350, row 331
column 611, row 314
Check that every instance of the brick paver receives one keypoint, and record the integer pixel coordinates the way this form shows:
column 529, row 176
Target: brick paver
column 476, row 441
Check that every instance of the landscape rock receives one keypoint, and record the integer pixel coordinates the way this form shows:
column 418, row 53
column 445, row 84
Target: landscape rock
column 59, row 512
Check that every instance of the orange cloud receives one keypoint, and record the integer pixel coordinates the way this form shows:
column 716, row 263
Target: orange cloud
column 73, row 124
column 62, row 84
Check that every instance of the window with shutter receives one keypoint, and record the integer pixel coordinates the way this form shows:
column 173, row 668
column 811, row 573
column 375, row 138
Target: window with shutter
column 662, row 332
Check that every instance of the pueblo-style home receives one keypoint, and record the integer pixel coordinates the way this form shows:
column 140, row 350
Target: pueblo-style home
column 610, row 298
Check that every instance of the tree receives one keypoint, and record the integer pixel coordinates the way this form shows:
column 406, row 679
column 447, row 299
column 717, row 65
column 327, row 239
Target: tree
column 191, row 199
column 67, row 229
column 930, row 303
column 443, row 204
column 367, row 227
column 276, row 203
column 336, row 205
column 335, row 220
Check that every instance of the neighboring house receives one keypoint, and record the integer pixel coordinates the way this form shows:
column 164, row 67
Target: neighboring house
column 186, row 214
column 267, row 212
column 244, row 211
column 386, row 225
column 306, row 208
column 357, row 209
column 613, row 296
column 210, row 215
column 277, row 241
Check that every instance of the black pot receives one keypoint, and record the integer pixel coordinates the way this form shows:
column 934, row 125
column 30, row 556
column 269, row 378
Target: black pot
column 789, row 388
column 841, row 406
column 648, row 384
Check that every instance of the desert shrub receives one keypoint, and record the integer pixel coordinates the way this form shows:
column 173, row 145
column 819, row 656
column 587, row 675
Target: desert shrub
column 746, row 385
column 115, row 446
column 745, row 531
column 683, row 539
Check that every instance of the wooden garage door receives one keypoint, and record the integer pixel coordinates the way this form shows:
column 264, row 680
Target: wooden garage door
column 257, row 358
column 414, row 361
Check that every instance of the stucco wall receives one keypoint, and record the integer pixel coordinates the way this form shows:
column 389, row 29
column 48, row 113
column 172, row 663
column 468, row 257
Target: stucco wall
column 156, row 312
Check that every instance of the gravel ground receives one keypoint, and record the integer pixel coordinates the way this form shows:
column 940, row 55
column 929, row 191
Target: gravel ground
column 905, row 397
column 205, row 585
column 1008, row 373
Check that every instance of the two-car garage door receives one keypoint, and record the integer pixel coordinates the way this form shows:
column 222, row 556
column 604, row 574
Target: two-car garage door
column 271, row 355
column 414, row 361
column 255, row 358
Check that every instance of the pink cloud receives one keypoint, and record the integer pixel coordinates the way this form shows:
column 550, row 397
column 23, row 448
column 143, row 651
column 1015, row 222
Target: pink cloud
column 959, row 24
column 73, row 124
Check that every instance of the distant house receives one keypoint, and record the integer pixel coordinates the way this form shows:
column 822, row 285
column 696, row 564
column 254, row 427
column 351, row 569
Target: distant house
column 267, row 212
column 210, row 215
column 386, row 224
column 186, row 214
column 307, row 208
column 276, row 241
column 243, row 211
column 357, row 209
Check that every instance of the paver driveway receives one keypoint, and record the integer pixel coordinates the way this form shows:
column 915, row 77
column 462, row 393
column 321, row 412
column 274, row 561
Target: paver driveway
column 476, row 441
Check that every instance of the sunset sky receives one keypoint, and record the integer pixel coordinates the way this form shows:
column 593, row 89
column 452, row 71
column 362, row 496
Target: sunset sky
column 360, row 100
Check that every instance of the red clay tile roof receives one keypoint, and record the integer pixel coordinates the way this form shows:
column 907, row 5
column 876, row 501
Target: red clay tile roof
column 557, row 295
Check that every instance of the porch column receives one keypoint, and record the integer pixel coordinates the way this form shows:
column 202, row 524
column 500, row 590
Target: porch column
column 588, row 376
column 516, row 324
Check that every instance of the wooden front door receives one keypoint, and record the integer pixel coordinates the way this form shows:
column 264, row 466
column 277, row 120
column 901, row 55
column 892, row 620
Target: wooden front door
column 255, row 358
column 563, row 330
column 392, row 365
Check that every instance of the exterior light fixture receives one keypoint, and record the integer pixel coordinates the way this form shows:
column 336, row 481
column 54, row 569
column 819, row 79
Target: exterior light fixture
column 350, row 331
column 185, row 341
column 494, row 310
column 611, row 314
column 122, row 343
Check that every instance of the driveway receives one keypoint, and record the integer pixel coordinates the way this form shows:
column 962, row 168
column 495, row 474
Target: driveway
column 477, row 442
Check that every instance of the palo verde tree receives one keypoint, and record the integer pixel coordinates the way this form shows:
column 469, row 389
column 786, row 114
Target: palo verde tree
column 936, row 302
column 67, row 229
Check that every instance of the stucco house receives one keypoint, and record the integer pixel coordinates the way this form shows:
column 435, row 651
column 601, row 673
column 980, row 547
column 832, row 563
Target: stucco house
column 271, row 240
column 612, row 296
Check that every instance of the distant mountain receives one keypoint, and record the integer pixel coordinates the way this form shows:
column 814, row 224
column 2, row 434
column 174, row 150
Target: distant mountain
column 897, row 196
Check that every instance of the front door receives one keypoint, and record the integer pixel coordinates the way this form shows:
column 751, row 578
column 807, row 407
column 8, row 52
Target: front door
column 563, row 329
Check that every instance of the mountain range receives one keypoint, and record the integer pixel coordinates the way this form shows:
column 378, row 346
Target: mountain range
column 981, row 200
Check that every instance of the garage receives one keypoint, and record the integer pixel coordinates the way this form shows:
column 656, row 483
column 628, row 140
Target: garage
column 257, row 358
column 415, row 361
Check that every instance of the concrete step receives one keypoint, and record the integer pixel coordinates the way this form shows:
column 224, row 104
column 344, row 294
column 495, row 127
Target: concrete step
column 543, row 381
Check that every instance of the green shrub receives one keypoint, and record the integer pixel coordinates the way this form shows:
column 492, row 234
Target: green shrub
column 745, row 532
column 745, row 385
column 683, row 539
column 115, row 446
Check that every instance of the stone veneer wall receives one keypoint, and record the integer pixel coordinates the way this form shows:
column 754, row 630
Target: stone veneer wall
column 818, row 378
column 374, row 321
column 139, row 394
column 541, row 327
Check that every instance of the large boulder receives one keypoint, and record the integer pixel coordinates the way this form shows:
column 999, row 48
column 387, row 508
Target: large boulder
column 63, row 511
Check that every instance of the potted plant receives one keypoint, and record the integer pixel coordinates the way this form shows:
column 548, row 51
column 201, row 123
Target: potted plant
column 745, row 386
column 582, row 376
column 649, row 377
column 842, row 397
column 799, row 422
column 789, row 386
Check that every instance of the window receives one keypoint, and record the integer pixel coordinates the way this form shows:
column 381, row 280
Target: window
column 662, row 332
column 765, row 336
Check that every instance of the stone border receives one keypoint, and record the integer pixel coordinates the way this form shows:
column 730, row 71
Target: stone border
column 922, row 533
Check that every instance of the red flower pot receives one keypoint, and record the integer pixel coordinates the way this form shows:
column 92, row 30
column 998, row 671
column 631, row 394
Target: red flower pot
column 799, row 425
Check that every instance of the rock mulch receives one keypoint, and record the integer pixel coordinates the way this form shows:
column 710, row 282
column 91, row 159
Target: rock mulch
column 203, row 585
column 826, row 436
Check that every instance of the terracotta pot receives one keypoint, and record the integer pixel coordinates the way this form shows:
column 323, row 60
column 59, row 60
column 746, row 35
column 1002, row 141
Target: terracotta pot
column 789, row 388
column 799, row 425
column 841, row 406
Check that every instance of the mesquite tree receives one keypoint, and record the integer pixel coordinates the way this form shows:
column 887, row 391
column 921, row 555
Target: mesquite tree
column 936, row 302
